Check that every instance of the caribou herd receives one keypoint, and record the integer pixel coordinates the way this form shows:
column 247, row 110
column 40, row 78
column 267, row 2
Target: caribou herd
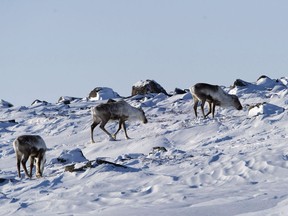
column 34, row 147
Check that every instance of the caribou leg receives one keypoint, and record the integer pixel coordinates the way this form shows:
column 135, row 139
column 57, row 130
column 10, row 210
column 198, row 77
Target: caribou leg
column 94, row 124
column 202, row 107
column 119, row 128
column 23, row 161
column 121, row 125
column 102, row 126
column 213, row 109
column 124, row 127
column 31, row 164
column 195, row 106
column 18, row 166
column 210, row 109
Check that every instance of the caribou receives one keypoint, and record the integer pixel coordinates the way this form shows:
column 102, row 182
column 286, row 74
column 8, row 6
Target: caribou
column 215, row 96
column 115, row 110
column 33, row 147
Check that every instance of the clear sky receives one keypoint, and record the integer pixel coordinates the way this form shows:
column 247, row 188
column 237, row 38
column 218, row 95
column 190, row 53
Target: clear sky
column 59, row 48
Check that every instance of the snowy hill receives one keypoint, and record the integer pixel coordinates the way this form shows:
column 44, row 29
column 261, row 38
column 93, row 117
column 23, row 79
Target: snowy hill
column 234, row 164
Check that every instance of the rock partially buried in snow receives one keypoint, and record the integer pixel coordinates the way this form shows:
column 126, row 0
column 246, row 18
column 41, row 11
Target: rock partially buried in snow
column 240, row 83
column 39, row 102
column 270, row 84
column 180, row 91
column 70, row 156
column 68, row 99
column 103, row 93
column 5, row 104
column 264, row 86
column 284, row 80
column 146, row 87
column 265, row 109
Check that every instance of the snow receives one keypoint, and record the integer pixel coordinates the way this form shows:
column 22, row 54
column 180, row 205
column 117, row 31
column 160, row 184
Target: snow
column 105, row 93
column 176, row 164
column 265, row 109
column 141, row 83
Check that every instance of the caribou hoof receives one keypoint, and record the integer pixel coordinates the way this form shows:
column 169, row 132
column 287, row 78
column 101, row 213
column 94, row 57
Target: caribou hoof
column 38, row 175
column 113, row 138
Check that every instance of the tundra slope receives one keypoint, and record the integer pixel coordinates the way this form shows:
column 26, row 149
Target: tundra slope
column 211, row 166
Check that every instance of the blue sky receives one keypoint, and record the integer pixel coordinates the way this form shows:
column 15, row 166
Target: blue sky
column 59, row 48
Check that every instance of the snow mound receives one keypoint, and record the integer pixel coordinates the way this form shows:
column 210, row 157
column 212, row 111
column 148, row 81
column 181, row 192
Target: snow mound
column 266, row 82
column 284, row 80
column 263, row 86
column 39, row 103
column 103, row 93
column 265, row 109
column 70, row 156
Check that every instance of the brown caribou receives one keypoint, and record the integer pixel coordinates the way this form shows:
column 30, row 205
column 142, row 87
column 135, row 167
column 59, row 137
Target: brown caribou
column 115, row 110
column 215, row 96
column 32, row 146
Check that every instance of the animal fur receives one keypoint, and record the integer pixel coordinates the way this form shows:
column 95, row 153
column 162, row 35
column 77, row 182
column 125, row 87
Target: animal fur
column 215, row 96
column 115, row 110
column 32, row 146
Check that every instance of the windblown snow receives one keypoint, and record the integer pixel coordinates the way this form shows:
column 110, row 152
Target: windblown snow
column 176, row 164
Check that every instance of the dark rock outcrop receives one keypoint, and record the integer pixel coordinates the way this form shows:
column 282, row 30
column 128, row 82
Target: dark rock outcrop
column 180, row 91
column 146, row 87
column 240, row 83
column 5, row 104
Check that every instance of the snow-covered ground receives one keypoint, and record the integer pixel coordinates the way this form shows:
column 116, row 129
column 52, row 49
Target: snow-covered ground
column 234, row 164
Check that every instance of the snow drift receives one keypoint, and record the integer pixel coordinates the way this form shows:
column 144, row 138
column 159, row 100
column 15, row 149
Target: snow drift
column 234, row 164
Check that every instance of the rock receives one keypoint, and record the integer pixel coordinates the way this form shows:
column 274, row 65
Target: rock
column 103, row 93
column 266, row 82
column 90, row 164
column 264, row 109
column 159, row 149
column 263, row 77
column 146, row 87
column 68, row 99
column 12, row 121
column 72, row 168
column 39, row 102
column 2, row 180
column 270, row 84
column 240, row 83
column 180, row 91
column 70, row 156
column 100, row 161
column 5, row 104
